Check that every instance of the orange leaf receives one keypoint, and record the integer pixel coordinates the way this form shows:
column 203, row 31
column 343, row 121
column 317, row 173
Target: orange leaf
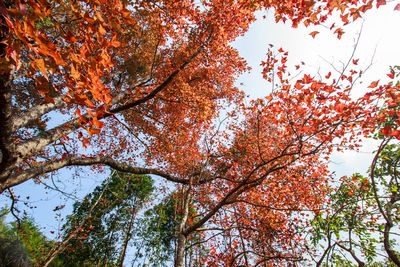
column 373, row 84
column 70, row 37
column 340, row 107
column 42, row 67
column 314, row 33
column 92, row 131
column 114, row 42
column 298, row 86
column 108, row 99
column 339, row 33
column 85, row 142
column 102, row 30
column 74, row 73
column 97, row 123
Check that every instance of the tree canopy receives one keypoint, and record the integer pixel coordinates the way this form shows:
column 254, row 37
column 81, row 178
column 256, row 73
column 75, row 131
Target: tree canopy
column 138, row 86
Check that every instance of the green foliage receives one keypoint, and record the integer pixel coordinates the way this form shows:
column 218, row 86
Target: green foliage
column 99, row 223
column 23, row 245
column 156, row 233
column 12, row 249
column 354, row 221
column 346, row 222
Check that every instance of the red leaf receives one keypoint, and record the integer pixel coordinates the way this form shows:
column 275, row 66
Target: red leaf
column 307, row 79
column 395, row 133
column 380, row 3
column 386, row 131
column 397, row 7
column 328, row 75
column 355, row 61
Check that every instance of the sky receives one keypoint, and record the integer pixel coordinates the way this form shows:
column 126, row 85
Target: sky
column 378, row 44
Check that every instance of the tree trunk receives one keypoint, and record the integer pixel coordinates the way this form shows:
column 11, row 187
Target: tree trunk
column 180, row 253
column 7, row 146
column 182, row 235
column 127, row 237
column 386, row 234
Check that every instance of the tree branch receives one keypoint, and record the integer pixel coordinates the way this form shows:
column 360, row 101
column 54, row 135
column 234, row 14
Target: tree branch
column 6, row 140
column 46, row 167
column 26, row 117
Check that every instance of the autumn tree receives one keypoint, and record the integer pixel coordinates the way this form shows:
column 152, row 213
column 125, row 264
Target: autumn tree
column 251, row 189
column 150, row 74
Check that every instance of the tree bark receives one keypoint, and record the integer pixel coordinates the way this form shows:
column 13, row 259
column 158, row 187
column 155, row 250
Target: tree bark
column 182, row 235
column 7, row 146
column 180, row 252
column 127, row 237
column 386, row 234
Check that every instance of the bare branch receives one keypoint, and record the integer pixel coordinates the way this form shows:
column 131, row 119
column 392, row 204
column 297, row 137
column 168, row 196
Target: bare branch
column 46, row 167
column 24, row 118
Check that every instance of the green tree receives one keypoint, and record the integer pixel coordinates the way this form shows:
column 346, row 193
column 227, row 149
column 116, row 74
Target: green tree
column 23, row 244
column 12, row 250
column 100, row 227
column 156, row 234
column 362, row 216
